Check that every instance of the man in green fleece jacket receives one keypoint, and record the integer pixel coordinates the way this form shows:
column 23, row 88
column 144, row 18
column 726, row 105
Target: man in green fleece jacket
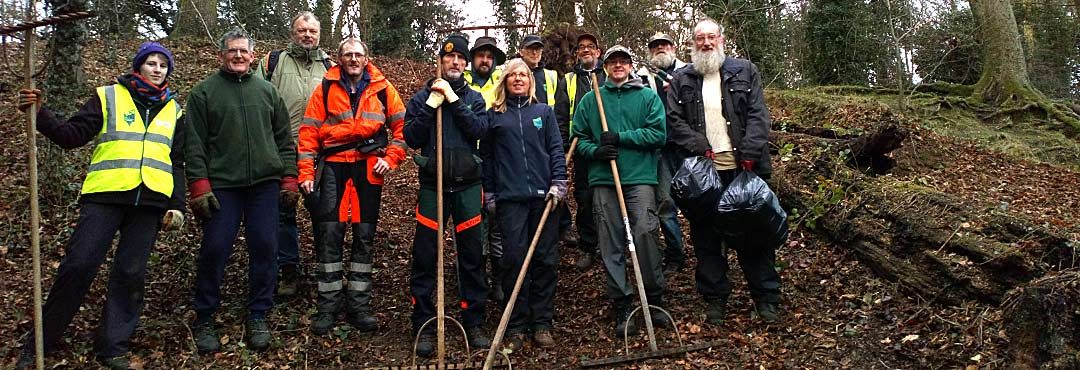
column 636, row 131
column 242, row 166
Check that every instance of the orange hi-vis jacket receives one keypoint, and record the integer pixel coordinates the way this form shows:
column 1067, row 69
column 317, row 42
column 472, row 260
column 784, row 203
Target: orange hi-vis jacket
column 339, row 125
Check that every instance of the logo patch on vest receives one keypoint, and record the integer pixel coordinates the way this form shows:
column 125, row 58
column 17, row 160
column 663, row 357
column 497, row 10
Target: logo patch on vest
column 538, row 123
column 129, row 117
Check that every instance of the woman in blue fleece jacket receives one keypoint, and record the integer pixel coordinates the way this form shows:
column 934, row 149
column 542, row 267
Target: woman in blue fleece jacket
column 524, row 166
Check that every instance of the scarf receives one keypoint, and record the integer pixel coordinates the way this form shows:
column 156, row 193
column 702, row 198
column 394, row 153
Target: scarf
column 144, row 89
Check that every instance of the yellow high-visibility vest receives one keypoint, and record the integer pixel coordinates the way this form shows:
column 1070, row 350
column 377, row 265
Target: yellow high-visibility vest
column 128, row 152
column 488, row 90
column 551, row 81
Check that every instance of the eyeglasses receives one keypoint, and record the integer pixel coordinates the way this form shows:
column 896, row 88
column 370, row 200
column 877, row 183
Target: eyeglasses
column 709, row 37
column 587, row 47
column 237, row 52
column 618, row 61
column 356, row 56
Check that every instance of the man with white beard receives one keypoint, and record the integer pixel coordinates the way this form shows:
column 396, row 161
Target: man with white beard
column 716, row 109
column 663, row 60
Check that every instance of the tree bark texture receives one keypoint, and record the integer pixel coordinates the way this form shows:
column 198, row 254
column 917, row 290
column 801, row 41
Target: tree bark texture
column 1041, row 321
column 65, row 86
column 196, row 18
column 1004, row 76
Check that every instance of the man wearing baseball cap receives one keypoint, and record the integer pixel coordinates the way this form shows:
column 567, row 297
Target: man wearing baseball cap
column 570, row 91
column 662, row 64
column 532, row 52
column 636, row 130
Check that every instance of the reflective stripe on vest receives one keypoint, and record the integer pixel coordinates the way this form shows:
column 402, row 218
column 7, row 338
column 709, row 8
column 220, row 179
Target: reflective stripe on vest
column 551, row 82
column 488, row 90
column 128, row 152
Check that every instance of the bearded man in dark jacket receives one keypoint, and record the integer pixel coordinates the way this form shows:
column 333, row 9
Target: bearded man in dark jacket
column 716, row 109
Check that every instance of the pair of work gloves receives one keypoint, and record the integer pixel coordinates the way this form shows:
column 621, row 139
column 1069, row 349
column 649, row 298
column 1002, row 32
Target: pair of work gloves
column 556, row 193
column 746, row 164
column 441, row 91
column 203, row 202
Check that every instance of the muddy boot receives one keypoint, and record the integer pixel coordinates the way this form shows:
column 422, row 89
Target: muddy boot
column 426, row 346
column 478, row 337
column 768, row 312
column 257, row 334
column 322, row 322
column 515, row 342
column 206, row 337
column 543, row 338
column 288, row 281
column 623, row 321
column 715, row 311
column 115, row 363
column 363, row 321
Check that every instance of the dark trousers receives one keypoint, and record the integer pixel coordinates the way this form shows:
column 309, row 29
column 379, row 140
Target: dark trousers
column 93, row 235
column 349, row 201
column 669, row 162
column 756, row 259
column 288, row 238
column 257, row 207
column 464, row 208
column 641, row 209
column 534, row 307
column 586, row 226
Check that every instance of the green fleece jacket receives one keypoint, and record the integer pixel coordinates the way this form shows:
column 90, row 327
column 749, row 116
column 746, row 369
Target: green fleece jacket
column 237, row 132
column 637, row 114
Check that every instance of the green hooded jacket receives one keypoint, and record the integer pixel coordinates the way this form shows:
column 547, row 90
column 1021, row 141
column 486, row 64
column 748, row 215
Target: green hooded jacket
column 637, row 114
column 297, row 73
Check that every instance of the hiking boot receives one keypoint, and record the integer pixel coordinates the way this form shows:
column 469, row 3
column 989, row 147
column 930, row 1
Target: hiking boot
column 288, row 281
column 115, row 363
column 425, row 347
column 715, row 311
column 768, row 312
column 322, row 322
column 567, row 238
column 625, row 324
column 660, row 320
column 515, row 342
column 206, row 338
column 362, row 321
column 257, row 334
column 478, row 337
column 543, row 338
column 584, row 262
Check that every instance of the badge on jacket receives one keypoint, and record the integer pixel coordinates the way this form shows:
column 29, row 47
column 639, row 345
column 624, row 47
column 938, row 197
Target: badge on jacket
column 538, row 123
column 129, row 117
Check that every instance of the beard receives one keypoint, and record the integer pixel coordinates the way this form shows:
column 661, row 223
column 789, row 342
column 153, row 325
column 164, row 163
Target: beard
column 453, row 75
column 707, row 62
column 662, row 60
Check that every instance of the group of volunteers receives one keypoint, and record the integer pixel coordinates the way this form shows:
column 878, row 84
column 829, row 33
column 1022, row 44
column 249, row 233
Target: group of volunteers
column 255, row 140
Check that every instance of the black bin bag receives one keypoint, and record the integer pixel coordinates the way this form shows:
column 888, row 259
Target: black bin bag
column 697, row 187
column 748, row 205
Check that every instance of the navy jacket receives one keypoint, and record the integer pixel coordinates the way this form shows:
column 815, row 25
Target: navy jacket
column 523, row 151
column 464, row 123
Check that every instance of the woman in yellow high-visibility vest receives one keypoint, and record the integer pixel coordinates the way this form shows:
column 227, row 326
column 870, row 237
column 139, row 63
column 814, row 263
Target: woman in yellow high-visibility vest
column 134, row 185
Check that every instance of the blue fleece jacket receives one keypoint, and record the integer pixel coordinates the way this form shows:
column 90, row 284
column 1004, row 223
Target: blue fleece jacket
column 523, row 151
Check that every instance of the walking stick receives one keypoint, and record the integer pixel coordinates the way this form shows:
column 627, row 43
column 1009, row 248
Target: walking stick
column 626, row 225
column 505, row 320
column 440, row 309
column 35, row 215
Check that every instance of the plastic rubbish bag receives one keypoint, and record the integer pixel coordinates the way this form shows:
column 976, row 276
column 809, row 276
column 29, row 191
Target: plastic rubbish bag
column 749, row 206
column 696, row 187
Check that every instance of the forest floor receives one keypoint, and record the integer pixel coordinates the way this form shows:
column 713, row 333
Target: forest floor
column 837, row 313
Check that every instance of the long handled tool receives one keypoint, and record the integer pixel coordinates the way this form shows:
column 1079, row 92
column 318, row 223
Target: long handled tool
column 505, row 320
column 645, row 307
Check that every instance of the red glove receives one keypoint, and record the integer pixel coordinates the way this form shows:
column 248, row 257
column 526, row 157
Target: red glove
column 747, row 165
column 289, row 183
column 709, row 154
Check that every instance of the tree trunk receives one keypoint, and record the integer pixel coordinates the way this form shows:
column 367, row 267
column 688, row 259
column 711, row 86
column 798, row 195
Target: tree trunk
column 325, row 14
column 1004, row 77
column 66, row 88
column 196, row 18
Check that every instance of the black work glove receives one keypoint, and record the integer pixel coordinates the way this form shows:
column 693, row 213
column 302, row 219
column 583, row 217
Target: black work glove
column 607, row 152
column 609, row 138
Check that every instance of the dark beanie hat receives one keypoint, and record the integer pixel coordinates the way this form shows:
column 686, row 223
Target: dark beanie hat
column 144, row 52
column 455, row 43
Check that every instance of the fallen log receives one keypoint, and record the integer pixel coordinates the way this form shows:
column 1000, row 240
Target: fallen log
column 934, row 244
column 1041, row 320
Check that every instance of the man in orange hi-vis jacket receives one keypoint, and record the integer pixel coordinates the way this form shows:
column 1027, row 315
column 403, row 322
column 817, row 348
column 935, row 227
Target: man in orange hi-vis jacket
column 351, row 137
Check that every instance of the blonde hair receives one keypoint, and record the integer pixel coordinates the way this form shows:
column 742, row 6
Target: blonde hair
column 502, row 91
